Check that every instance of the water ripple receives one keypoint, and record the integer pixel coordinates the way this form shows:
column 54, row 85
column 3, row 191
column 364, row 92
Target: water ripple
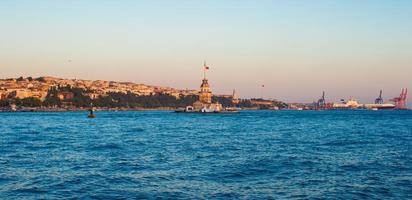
column 164, row 155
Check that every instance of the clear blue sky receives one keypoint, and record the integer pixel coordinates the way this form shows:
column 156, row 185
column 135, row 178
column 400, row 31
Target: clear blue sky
column 296, row 48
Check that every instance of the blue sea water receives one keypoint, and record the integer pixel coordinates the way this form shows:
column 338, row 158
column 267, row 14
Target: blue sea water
column 165, row 155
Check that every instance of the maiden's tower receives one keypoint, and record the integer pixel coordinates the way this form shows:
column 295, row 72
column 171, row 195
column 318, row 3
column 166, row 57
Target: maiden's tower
column 204, row 104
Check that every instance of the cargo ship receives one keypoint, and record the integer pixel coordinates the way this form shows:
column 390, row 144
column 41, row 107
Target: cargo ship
column 384, row 106
column 353, row 104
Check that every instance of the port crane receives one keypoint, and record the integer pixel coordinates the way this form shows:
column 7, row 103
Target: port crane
column 321, row 102
column 379, row 100
column 400, row 102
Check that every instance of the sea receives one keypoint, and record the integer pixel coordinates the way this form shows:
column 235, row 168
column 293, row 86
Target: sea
column 167, row 155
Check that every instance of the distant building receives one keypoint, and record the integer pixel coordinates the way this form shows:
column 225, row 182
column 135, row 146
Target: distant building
column 235, row 98
column 205, row 92
column 3, row 95
column 39, row 94
column 19, row 93
column 204, row 104
column 261, row 102
column 205, row 100
column 93, row 95
column 24, row 93
column 65, row 95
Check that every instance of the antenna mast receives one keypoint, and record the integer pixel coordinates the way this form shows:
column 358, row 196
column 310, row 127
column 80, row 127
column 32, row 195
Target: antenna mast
column 204, row 69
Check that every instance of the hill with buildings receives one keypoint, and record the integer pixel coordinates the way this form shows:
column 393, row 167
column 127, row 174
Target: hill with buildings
column 51, row 93
column 39, row 88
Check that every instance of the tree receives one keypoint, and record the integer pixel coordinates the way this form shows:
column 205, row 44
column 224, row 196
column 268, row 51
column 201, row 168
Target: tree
column 225, row 101
column 16, row 101
column 41, row 79
column 4, row 103
column 52, row 101
column 245, row 103
column 280, row 104
column 104, row 101
column 31, row 102
column 81, row 101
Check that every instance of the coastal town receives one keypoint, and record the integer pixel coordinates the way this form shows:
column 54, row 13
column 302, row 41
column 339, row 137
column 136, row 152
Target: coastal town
column 58, row 94
column 39, row 87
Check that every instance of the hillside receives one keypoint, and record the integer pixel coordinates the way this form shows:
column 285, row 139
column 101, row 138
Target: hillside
column 39, row 87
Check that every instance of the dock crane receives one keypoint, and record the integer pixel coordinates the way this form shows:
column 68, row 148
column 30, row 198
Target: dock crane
column 400, row 102
column 321, row 102
column 379, row 100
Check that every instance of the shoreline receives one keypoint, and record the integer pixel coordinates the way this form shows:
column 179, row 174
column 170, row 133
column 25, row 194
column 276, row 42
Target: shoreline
column 28, row 109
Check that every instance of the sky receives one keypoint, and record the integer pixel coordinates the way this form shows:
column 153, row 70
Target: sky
column 296, row 48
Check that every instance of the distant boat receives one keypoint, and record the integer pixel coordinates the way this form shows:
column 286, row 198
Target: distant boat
column 232, row 109
column 191, row 109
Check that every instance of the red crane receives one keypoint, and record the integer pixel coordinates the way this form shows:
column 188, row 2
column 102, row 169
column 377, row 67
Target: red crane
column 400, row 102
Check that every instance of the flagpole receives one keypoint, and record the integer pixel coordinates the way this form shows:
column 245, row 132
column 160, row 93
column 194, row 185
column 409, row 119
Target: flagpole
column 261, row 91
column 204, row 70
